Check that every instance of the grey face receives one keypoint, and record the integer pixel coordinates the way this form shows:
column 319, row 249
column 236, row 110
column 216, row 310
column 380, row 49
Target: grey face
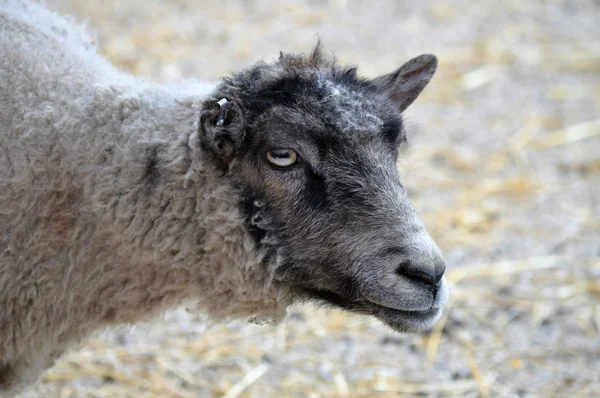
column 313, row 150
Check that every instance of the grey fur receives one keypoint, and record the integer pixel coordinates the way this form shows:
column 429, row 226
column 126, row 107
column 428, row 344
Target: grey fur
column 120, row 198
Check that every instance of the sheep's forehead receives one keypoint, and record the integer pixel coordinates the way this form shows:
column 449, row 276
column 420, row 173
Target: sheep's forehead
column 317, row 97
column 349, row 110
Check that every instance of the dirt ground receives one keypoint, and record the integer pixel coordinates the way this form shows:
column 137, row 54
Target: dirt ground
column 503, row 163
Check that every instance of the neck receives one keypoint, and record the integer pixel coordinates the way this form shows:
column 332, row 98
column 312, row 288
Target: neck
column 168, row 212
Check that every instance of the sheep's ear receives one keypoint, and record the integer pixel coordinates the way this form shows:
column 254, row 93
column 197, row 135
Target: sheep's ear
column 405, row 84
column 222, row 128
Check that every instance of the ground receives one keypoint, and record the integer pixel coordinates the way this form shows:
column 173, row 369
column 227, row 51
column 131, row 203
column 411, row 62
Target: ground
column 503, row 164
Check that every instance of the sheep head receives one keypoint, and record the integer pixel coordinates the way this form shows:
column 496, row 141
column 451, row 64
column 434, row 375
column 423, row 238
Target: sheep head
column 313, row 150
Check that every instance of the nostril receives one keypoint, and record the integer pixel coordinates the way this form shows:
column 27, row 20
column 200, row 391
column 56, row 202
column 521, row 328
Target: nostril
column 427, row 275
column 404, row 265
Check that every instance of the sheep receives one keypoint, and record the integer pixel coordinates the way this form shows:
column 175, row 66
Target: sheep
column 121, row 198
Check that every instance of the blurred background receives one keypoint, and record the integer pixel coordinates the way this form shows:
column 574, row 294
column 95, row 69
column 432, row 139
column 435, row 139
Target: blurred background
column 503, row 164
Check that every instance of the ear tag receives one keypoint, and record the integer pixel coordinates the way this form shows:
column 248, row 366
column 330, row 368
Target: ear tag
column 222, row 111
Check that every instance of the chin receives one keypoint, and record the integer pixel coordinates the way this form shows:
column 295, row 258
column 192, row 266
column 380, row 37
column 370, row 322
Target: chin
column 405, row 320
column 409, row 321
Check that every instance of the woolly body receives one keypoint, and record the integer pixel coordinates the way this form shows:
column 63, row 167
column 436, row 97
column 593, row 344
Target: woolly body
column 109, row 211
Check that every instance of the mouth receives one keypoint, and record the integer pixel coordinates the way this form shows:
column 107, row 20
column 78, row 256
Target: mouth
column 408, row 321
column 405, row 321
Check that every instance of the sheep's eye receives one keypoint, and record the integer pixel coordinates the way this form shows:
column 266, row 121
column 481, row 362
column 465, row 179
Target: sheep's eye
column 282, row 157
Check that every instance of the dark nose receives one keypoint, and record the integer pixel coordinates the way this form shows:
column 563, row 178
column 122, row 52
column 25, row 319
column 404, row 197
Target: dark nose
column 428, row 273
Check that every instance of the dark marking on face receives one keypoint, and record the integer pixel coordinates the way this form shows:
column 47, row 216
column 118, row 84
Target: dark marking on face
column 314, row 193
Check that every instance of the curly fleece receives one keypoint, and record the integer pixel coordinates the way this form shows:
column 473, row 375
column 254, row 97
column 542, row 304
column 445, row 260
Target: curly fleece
column 110, row 210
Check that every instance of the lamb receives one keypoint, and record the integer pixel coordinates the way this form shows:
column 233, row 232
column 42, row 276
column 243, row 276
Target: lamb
column 121, row 198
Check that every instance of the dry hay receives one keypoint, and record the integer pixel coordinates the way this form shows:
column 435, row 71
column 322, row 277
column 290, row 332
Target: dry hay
column 503, row 165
